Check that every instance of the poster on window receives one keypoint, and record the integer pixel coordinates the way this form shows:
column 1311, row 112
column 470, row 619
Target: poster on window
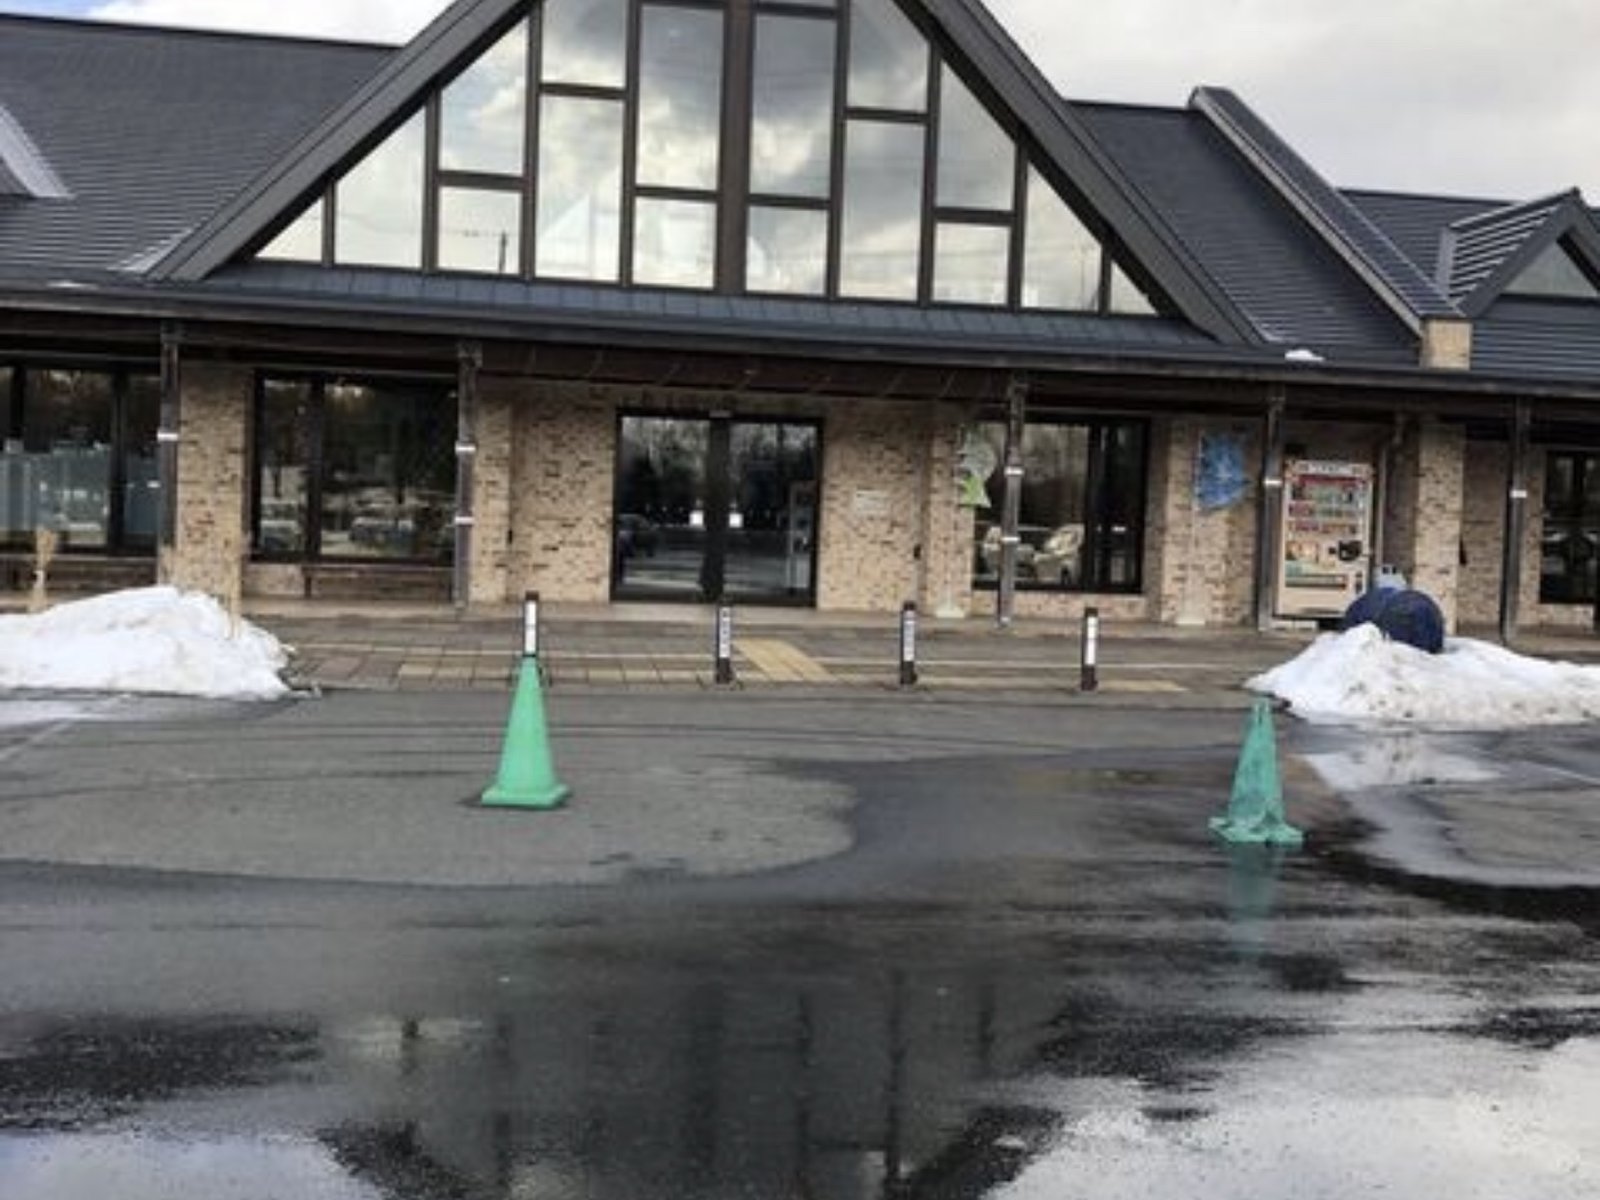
column 1327, row 537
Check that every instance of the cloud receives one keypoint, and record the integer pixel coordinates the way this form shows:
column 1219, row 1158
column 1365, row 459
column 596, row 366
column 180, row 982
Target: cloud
column 365, row 20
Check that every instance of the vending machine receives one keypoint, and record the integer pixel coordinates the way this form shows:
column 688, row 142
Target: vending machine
column 1325, row 560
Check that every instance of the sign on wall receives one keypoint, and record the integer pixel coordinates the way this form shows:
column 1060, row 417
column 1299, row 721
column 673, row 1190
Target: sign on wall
column 1325, row 558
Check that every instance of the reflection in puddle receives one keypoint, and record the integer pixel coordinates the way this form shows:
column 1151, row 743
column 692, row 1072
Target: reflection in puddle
column 133, row 1167
column 1336, row 1119
column 1401, row 760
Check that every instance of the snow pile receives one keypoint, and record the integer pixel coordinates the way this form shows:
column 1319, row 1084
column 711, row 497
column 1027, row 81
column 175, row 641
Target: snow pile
column 1362, row 676
column 153, row 640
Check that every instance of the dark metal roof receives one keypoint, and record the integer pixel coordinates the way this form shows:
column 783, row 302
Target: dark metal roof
column 1411, row 294
column 1416, row 224
column 24, row 171
column 1520, row 337
column 1293, row 287
column 507, row 307
column 150, row 130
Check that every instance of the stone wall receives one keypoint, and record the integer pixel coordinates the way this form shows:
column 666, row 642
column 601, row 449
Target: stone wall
column 210, row 543
column 1424, row 513
column 1205, row 564
column 494, row 483
column 873, row 506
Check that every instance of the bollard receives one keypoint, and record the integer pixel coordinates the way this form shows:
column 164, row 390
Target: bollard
column 724, row 645
column 908, row 644
column 527, row 776
column 1089, row 680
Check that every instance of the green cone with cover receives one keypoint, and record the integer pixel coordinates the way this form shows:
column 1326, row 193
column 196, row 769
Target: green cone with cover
column 1255, row 810
column 527, row 776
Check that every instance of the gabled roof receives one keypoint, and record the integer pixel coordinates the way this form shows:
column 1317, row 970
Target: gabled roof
column 471, row 25
column 1395, row 279
column 149, row 130
column 1297, row 291
column 1481, row 256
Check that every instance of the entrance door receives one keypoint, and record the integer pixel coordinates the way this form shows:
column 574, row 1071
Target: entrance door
column 712, row 508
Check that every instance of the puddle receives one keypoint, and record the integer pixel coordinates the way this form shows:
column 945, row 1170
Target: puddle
column 1401, row 760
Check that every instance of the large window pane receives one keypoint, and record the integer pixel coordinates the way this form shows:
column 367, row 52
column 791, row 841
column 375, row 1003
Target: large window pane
column 882, row 231
column 580, row 188
column 284, row 430
column 388, row 477
column 791, row 140
column 301, row 240
column 1127, row 297
column 1569, row 549
column 675, row 243
column 1072, row 536
column 379, row 204
column 1061, row 267
column 680, row 97
column 66, row 463
column 788, row 251
column 141, row 476
column 483, row 114
column 16, row 502
column 585, row 42
column 971, row 263
column 977, row 160
column 888, row 58
column 480, row 231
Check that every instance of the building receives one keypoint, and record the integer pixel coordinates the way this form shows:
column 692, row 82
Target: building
column 822, row 302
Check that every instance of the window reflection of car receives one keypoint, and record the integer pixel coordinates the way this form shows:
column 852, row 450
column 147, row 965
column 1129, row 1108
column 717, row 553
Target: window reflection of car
column 382, row 531
column 636, row 535
column 280, row 525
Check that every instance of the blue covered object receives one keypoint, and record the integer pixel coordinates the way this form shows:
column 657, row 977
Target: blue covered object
column 1403, row 614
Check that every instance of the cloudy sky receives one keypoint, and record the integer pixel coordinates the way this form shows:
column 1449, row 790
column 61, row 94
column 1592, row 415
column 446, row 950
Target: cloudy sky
column 1491, row 98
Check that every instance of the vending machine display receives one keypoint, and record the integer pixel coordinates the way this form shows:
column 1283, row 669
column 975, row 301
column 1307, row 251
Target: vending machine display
column 1325, row 561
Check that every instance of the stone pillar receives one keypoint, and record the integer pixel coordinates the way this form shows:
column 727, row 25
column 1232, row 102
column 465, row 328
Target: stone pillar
column 1204, row 569
column 492, row 485
column 871, row 518
column 1426, row 511
column 564, row 455
column 209, row 544
column 947, row 528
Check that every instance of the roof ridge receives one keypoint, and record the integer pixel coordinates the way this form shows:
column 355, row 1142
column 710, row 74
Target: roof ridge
column 1545, row 203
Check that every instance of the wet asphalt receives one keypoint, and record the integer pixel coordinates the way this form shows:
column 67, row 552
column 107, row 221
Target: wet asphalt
column 1010, row 962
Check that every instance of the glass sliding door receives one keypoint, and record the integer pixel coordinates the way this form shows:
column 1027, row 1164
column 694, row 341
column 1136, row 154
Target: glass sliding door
column 712, row 508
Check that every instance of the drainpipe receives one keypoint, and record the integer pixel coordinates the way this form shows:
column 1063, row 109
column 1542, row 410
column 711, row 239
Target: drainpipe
column 1011, row 513
column 1516, row 522
column 1269, row 515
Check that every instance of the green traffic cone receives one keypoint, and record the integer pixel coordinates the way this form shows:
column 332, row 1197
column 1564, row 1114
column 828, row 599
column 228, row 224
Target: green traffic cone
column 527, row 776
column 1255, row 810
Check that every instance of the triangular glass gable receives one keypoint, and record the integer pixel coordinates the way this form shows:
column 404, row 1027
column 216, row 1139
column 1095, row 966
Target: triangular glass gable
column 1555, row 274
column 587, row 144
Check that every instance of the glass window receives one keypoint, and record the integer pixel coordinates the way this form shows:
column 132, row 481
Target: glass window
column 977, row 160
column 1061, row 266
column 971, row 263
column 480, row 231
column 586, row 42
column 284, row 431
column 379, row 204
column 680, row 97
column 1569, row 548
column 15, row 491
column 301, row 241
column 141, row 475
column 67, row 444
column 388, row 473
column 1555, row 274
column 882, row 230
column 580, row 188
column 483, row 114
column 1127, row 297
column 788, row 251
column 888, row 58
column 791, row 138
column 675, row 242
column 1082, row 512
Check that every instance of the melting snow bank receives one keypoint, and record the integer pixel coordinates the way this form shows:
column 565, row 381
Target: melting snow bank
column 151, row 640
column 1363, row 676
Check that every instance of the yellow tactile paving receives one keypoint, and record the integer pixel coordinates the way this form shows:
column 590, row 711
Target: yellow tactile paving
column 782, row 662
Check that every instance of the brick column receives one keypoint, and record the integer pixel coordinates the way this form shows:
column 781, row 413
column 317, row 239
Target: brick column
column 871, row 480
column 492, row 485
column 1426, row 512
column 947, row 528
column 209, row 549
column 1204, row 572
column 564, row 455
